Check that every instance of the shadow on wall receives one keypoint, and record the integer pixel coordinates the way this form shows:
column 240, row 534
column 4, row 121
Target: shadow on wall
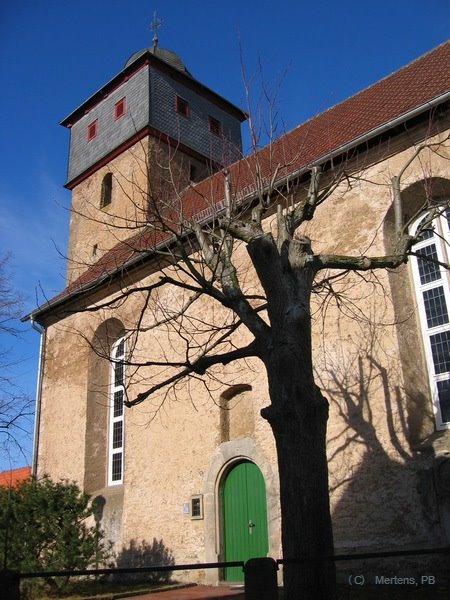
column 382, row 491
column 417, row 197
column 145, row 554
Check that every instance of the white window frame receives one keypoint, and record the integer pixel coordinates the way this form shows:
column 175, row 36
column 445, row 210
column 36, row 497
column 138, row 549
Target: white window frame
column 116, row 422
column 441, row 239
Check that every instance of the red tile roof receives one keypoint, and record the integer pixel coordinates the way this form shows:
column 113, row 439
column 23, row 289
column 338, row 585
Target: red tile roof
column 415, row 86
column 14, row 477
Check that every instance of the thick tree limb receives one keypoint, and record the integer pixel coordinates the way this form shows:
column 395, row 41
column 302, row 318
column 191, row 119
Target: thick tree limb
column 357, row 263
column 223, row 269
column 201, row 365
column 242, row 230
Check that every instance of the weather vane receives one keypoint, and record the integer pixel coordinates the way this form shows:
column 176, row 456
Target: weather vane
column 154, row 26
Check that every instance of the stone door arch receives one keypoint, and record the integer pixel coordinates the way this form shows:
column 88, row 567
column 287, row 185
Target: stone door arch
column 228, row 455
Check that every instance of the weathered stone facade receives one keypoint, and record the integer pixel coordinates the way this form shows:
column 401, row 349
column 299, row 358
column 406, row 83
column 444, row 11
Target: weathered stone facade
column 369, row 362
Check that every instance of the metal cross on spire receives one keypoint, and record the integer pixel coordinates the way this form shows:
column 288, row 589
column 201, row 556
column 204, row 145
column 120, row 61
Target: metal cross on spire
column 154, row 26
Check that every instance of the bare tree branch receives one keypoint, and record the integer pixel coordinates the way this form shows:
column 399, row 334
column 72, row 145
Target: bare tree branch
column 16, row 408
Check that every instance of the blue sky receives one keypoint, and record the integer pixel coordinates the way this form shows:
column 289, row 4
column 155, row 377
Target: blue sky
column 55, row 53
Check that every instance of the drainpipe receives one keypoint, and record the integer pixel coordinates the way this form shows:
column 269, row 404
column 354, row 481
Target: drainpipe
column 37, row 416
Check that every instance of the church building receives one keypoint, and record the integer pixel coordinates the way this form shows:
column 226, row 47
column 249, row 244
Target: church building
column 195, row 464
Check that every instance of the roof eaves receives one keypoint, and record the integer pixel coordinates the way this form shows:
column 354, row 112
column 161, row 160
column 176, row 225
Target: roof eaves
column 108, row 274
column 354, row 142
column 372, row 133
column 91, row 285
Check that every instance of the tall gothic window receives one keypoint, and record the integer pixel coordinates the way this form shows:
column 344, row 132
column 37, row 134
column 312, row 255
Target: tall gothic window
column 433, row 299
column 116, row 414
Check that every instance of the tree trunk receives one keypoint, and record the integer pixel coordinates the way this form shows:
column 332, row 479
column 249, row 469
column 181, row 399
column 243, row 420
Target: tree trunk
column 298, row 417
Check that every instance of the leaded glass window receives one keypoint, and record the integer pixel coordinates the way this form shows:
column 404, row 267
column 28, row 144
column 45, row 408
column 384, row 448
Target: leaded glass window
column 435, row 306
column 433, row 297
column 116, row 414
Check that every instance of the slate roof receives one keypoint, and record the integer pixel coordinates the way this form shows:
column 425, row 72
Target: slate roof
column 161, row 59
column 414, row 88
column 14, row 477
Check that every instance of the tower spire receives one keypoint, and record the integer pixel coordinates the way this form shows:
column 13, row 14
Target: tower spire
column 154, row 26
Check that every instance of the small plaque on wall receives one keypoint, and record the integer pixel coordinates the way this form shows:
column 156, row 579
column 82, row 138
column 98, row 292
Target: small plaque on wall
column 197, row 507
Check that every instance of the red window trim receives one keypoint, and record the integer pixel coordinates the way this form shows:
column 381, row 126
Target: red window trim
column 182, row 106
column 119, row 109
column 92, row 130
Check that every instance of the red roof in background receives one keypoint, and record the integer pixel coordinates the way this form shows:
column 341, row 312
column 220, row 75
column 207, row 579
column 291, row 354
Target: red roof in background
column 14, row 477
column 413, row 86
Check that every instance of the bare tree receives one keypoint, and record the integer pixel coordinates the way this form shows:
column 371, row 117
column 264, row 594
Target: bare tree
column 16, row 407
column 194, row 240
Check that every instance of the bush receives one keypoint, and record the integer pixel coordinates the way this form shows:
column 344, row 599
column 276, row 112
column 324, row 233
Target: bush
column 43, row 528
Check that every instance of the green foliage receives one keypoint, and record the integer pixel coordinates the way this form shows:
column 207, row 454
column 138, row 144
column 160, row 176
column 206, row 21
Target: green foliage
column 43, row 528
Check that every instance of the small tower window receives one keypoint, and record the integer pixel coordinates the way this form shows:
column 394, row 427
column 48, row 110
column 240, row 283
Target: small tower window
column 119, row 109
column 215, row 126
column 182, row 106
column 193, row 172
column 92, row 130
column 106, row 196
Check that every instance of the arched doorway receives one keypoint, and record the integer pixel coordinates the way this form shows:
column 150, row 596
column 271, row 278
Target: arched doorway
column 244, row 516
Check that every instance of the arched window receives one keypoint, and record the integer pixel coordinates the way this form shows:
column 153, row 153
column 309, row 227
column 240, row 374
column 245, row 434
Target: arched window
column 116, row 414
column 106, row 196
column 433, row 298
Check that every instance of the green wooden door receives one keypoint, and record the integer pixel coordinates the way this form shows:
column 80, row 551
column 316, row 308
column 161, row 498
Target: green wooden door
column 244, row 517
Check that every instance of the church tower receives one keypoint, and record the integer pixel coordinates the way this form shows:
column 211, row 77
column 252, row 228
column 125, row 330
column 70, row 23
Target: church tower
column 150, row 117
